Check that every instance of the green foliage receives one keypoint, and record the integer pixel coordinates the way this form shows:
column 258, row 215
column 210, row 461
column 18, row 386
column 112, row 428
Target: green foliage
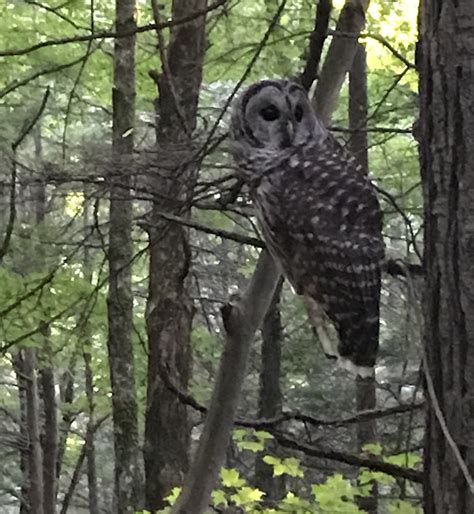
column 251, row 440
column 289, row 466
column 337, row 494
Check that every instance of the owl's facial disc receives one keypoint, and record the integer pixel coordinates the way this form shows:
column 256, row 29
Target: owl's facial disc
column 277, row 116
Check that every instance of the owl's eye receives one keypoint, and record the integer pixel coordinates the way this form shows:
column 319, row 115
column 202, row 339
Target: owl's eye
column 298, row 113
column 270, row 113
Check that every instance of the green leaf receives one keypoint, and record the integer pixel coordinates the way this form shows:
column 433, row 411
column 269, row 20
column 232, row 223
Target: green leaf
column 173, row 496
column 372, row 448
column 404, row 459
column 404, row 507
column 219, row 498
column 230, row 477
column 247, row 496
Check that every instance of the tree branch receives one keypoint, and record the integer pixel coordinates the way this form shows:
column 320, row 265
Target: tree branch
column 350, row 459
column 109, row 34
column 340, row 56
column 316, row 43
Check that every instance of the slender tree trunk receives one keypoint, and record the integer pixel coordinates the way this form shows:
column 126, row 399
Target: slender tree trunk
column 270, row 399
column 49, row 429
column 24, row 452
column 66, row 397
column 341, row 50
column 89, row 384
column 446, row 68
column 35, row 457
column 49, row 438
column 170, row 310
column 120, row 301
column 358, row 109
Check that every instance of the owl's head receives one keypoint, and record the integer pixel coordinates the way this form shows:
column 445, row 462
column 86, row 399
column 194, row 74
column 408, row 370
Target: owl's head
column 274, row 115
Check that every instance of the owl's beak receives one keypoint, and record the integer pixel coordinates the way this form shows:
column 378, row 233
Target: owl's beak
column 290, row 129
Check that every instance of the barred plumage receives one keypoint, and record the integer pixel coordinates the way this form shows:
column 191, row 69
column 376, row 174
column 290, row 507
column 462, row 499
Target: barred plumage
column 319, row 214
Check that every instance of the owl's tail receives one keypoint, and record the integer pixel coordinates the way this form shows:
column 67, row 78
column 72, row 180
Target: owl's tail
column 334, row 342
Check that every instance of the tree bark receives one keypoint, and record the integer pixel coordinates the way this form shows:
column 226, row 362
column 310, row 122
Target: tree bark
column 170, row 309
column 270, row 398
column 365, row 387
column 447, row 163
column 127, row 483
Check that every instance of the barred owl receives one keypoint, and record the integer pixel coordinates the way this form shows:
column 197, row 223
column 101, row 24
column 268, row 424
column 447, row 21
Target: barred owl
column 319, row 215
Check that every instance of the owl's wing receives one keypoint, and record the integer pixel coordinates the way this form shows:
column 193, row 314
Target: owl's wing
column 328, row 233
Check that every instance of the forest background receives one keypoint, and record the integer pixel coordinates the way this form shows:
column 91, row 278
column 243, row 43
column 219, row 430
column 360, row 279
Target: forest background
column 125, row 231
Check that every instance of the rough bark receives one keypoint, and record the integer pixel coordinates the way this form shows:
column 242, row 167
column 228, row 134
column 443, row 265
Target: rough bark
column 358, row 108
column 341, row 50
column 169, row 308
column 445, row 62
column 242, row 321
column 270, row 398
column 127, row 486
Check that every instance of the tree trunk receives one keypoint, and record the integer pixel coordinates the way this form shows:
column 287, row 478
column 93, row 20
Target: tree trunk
column 24, row 452
column 447, row 162
column 49, row 438
column 89, row 384
column 49, row 431
column 341, row 50
column 169, row 309
column 270, row 399
column 66, row 390
column 35, row 460
column 358, row 109
column 120, row 301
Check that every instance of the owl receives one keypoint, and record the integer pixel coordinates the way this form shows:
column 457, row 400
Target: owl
column 319, row 216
